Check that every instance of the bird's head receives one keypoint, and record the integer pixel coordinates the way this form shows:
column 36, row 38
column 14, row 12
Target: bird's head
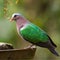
column 15, row 16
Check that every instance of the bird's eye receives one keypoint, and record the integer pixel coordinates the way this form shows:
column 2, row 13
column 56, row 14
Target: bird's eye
column 15, row 15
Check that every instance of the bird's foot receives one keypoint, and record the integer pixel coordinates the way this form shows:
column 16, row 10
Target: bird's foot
column 30, row 47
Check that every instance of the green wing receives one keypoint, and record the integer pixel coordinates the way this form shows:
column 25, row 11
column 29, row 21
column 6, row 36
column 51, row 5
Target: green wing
column 33, row 33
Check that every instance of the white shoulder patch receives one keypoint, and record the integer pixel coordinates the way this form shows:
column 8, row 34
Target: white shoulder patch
column 24, row 26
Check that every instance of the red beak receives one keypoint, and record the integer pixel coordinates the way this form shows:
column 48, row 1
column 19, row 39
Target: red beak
column 11, row 19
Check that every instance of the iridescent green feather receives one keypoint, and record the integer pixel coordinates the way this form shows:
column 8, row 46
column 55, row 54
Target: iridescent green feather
column 33, row 33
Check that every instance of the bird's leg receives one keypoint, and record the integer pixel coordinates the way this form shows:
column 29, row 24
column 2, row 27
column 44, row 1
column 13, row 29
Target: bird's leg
column 30, row 46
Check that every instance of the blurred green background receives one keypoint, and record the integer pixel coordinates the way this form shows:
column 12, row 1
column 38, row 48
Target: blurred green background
column 44, row 13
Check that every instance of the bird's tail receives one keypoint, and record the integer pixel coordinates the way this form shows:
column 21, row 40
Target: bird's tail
column 53, row 51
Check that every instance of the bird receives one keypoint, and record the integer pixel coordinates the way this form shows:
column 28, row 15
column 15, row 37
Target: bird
column 33, row 33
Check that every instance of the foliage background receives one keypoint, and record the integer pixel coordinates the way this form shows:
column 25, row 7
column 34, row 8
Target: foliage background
column 44, row 13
